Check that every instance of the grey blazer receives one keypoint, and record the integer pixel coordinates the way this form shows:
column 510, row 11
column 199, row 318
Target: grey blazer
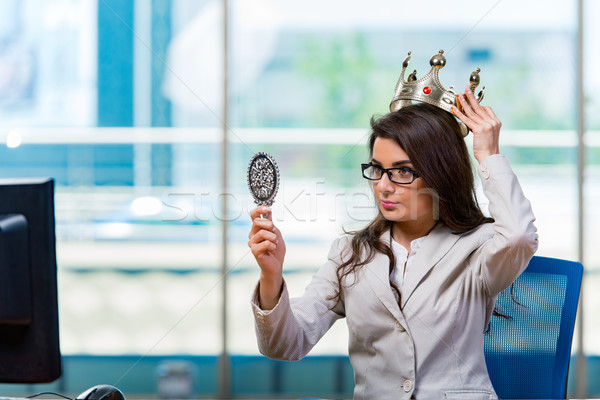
column 430, row 345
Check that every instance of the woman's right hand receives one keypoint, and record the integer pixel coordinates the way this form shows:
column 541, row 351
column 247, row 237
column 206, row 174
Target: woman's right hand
column 268, row 248
column 482, row 121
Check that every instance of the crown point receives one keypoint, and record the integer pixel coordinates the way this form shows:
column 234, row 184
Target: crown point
column 438, row 60
column 474, row 78
column 412, row 77
column 480, row 94
column 406, row 61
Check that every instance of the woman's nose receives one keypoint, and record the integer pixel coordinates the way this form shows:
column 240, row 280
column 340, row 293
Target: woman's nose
column 384, row 183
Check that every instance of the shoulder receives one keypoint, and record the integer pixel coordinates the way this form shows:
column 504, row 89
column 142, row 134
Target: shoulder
column 483, row 231
column 341, row 248
column 480, row 234
column 348, row 246
column 477, row 236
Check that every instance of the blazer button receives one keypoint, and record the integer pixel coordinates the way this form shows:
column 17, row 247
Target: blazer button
column 407, row 385
column 484, row 171
column 400, row 327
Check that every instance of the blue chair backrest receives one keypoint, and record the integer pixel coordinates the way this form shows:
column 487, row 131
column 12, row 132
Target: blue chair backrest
column 528, row 355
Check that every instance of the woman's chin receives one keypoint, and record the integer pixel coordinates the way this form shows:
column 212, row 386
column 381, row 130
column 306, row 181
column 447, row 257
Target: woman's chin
column 396, row 213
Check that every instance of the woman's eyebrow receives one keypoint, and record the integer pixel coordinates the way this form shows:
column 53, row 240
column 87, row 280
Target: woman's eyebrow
column 395, row 163
column 402, row 162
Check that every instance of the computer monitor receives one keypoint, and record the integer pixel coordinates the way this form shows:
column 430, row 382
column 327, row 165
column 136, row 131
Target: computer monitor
column 29, row 341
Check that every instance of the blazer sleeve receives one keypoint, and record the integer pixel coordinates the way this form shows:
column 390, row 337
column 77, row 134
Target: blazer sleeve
column 506, row 254
column 292, row 328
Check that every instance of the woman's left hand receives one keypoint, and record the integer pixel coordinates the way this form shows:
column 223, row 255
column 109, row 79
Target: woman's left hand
column 482, row 122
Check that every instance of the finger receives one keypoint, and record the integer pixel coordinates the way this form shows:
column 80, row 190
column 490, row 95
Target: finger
column 262, row 236
column 475, row 105
column 259, row 211
column 261, row 224
column 461, row 116
column 472, row 99
column 468, row 109
column 277, row 232
column 260, row 221
column 490, row 121
column 488, row 110
column 472, row 121
column 262, row 248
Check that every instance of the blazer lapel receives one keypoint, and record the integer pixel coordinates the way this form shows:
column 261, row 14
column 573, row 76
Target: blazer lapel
column 378, row 276
column 439, row 241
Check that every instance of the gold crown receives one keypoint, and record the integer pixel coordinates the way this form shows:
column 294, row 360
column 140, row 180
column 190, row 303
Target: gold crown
column 429, row 90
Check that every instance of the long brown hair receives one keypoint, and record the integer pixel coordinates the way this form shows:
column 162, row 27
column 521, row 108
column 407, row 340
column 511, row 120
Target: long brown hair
column 433, row 141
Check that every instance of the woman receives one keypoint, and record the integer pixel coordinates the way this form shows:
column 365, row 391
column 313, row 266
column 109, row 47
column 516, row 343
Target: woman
column 418, row 285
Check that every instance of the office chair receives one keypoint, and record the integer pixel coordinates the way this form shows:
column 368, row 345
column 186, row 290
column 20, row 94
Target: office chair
column 528, row 354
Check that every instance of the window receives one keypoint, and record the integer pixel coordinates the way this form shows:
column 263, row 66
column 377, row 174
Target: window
column 123, row 104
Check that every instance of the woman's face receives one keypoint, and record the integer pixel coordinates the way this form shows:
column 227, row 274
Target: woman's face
column 413, row 202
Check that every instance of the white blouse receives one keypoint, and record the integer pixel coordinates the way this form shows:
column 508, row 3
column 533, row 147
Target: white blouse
column 404, row 259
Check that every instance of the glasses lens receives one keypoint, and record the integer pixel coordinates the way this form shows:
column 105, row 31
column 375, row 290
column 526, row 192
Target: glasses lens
column 371, row 172
column 402, row 175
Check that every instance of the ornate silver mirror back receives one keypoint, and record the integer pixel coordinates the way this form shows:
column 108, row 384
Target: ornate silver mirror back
column 263, row 179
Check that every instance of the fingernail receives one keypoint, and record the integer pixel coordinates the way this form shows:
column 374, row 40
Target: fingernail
column 467, row 89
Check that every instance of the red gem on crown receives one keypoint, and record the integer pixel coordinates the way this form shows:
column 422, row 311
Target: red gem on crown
column 426, row 90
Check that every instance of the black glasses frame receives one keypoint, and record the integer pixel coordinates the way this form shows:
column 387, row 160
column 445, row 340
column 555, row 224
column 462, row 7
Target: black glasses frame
column 388, row 171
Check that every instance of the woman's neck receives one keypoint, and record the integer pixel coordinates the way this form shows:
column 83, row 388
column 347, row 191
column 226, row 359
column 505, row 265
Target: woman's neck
column 404, row 232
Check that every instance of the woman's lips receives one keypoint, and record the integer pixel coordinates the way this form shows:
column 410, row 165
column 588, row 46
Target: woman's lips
column 387, row 204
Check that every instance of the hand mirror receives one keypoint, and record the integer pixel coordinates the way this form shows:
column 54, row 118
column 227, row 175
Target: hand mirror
column 263, row 179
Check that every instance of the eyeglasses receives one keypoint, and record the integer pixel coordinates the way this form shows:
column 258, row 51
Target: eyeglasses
column 402, row 175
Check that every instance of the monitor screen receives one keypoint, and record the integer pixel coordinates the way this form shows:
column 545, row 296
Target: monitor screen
column 29, row 343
